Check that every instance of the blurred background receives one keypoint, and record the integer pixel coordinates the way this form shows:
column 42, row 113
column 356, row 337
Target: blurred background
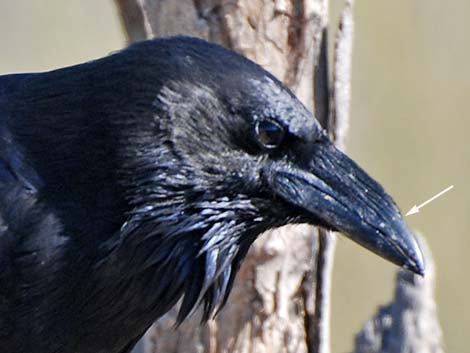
column 409, row 126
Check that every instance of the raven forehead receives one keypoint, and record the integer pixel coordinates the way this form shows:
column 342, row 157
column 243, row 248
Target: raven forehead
column 196, row 60
column 273, row 100
column 198, row 69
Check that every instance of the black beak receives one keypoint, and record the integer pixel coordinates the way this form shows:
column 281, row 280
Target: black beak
column 332, row 190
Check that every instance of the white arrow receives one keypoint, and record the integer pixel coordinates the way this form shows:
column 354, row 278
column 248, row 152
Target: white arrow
column 415, row 209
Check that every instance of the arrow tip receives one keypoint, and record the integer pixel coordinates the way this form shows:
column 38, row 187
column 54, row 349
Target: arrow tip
column 414, row 209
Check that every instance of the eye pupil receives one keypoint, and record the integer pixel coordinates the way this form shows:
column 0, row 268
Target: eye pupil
column 269, row 133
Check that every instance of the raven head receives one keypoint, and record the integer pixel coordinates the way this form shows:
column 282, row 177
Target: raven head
column 224, row 152
column 159, row 166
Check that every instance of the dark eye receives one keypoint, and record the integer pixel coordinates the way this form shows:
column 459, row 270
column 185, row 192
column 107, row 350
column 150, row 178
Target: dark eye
column 269, row 133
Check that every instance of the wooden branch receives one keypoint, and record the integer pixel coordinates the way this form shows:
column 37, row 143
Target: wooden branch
column 133, row 20
column 409, row 323
column 336, row 120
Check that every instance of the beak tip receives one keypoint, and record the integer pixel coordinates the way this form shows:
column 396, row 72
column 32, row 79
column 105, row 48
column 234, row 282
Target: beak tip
column 417, row 268
column 415, row 259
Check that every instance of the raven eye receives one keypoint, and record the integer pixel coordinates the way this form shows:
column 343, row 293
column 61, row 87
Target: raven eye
column 269, row 133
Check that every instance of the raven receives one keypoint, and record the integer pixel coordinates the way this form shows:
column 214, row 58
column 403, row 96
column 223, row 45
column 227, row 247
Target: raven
column 141, row 179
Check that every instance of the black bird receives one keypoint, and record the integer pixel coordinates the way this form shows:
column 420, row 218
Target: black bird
column 136, row 180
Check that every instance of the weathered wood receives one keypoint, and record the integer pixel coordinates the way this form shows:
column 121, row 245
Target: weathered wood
column 133, row 20
column 409, row 323
column 335, row 119
column 341, row 86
